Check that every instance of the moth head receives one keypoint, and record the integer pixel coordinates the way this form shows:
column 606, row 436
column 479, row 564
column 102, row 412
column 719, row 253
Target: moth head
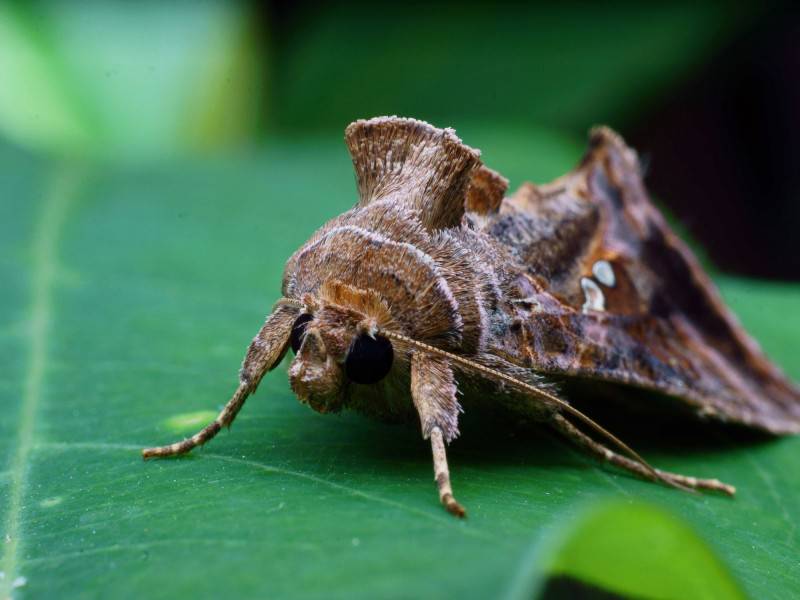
column 337, row 342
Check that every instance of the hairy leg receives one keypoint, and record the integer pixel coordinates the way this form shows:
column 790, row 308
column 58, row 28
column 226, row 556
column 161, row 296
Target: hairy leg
column 576, row 436
column 224, row 419
column 433, row 391
column 442, row 475
column 265, row 352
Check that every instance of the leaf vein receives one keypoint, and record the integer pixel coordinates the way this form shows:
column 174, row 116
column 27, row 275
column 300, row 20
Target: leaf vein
column 283, row 471
column 58, row 196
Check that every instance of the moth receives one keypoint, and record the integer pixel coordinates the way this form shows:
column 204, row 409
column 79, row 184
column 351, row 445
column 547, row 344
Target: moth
column 436, row 290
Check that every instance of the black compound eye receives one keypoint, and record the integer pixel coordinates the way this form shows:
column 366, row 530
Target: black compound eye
column 369, row 360
column 299, row 331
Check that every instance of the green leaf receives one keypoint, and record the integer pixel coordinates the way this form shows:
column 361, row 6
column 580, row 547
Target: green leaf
column 128, row 298
column 637, row 551
column 521, row 64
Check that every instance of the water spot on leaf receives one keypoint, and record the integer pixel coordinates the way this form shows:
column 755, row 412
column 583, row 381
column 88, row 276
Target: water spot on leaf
column 51, row 502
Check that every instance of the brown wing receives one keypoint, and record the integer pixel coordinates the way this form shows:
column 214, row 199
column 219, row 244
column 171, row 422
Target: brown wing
column 611, row 293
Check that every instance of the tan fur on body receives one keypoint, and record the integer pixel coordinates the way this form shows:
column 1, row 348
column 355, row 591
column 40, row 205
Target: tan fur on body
column 485, row 296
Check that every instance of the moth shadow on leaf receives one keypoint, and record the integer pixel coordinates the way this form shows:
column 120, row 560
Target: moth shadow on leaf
column 656, row 423
column 492, row 439
column 489, row 439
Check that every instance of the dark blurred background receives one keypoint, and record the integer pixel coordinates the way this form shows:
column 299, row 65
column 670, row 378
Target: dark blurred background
column 708, row 93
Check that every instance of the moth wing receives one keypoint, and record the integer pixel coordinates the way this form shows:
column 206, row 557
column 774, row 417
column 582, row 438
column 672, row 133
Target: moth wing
column 613, row 294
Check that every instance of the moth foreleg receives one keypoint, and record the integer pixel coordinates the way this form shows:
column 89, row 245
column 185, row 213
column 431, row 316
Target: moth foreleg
column 433, row 390
column 265, row 353
column 576, row 436
column 442, row 475
column 224, row 419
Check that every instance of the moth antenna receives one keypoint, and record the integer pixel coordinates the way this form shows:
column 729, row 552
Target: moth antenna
column 291, row 302
column 475, row 366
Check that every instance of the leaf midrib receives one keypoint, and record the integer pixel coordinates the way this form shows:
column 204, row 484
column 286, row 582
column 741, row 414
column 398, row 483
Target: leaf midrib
column 58, row 195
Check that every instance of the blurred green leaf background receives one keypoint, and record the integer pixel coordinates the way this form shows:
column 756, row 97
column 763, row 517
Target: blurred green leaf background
column 158, row 164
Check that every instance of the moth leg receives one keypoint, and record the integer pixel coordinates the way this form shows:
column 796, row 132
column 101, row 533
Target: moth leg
column 224, row 419
column 442, row 475
column 433, row 390
column 575, row 435
column 264, row 354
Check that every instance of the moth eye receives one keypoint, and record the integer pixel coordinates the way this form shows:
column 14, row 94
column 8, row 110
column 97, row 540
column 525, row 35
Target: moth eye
column 369, row 360
column 299, row 331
